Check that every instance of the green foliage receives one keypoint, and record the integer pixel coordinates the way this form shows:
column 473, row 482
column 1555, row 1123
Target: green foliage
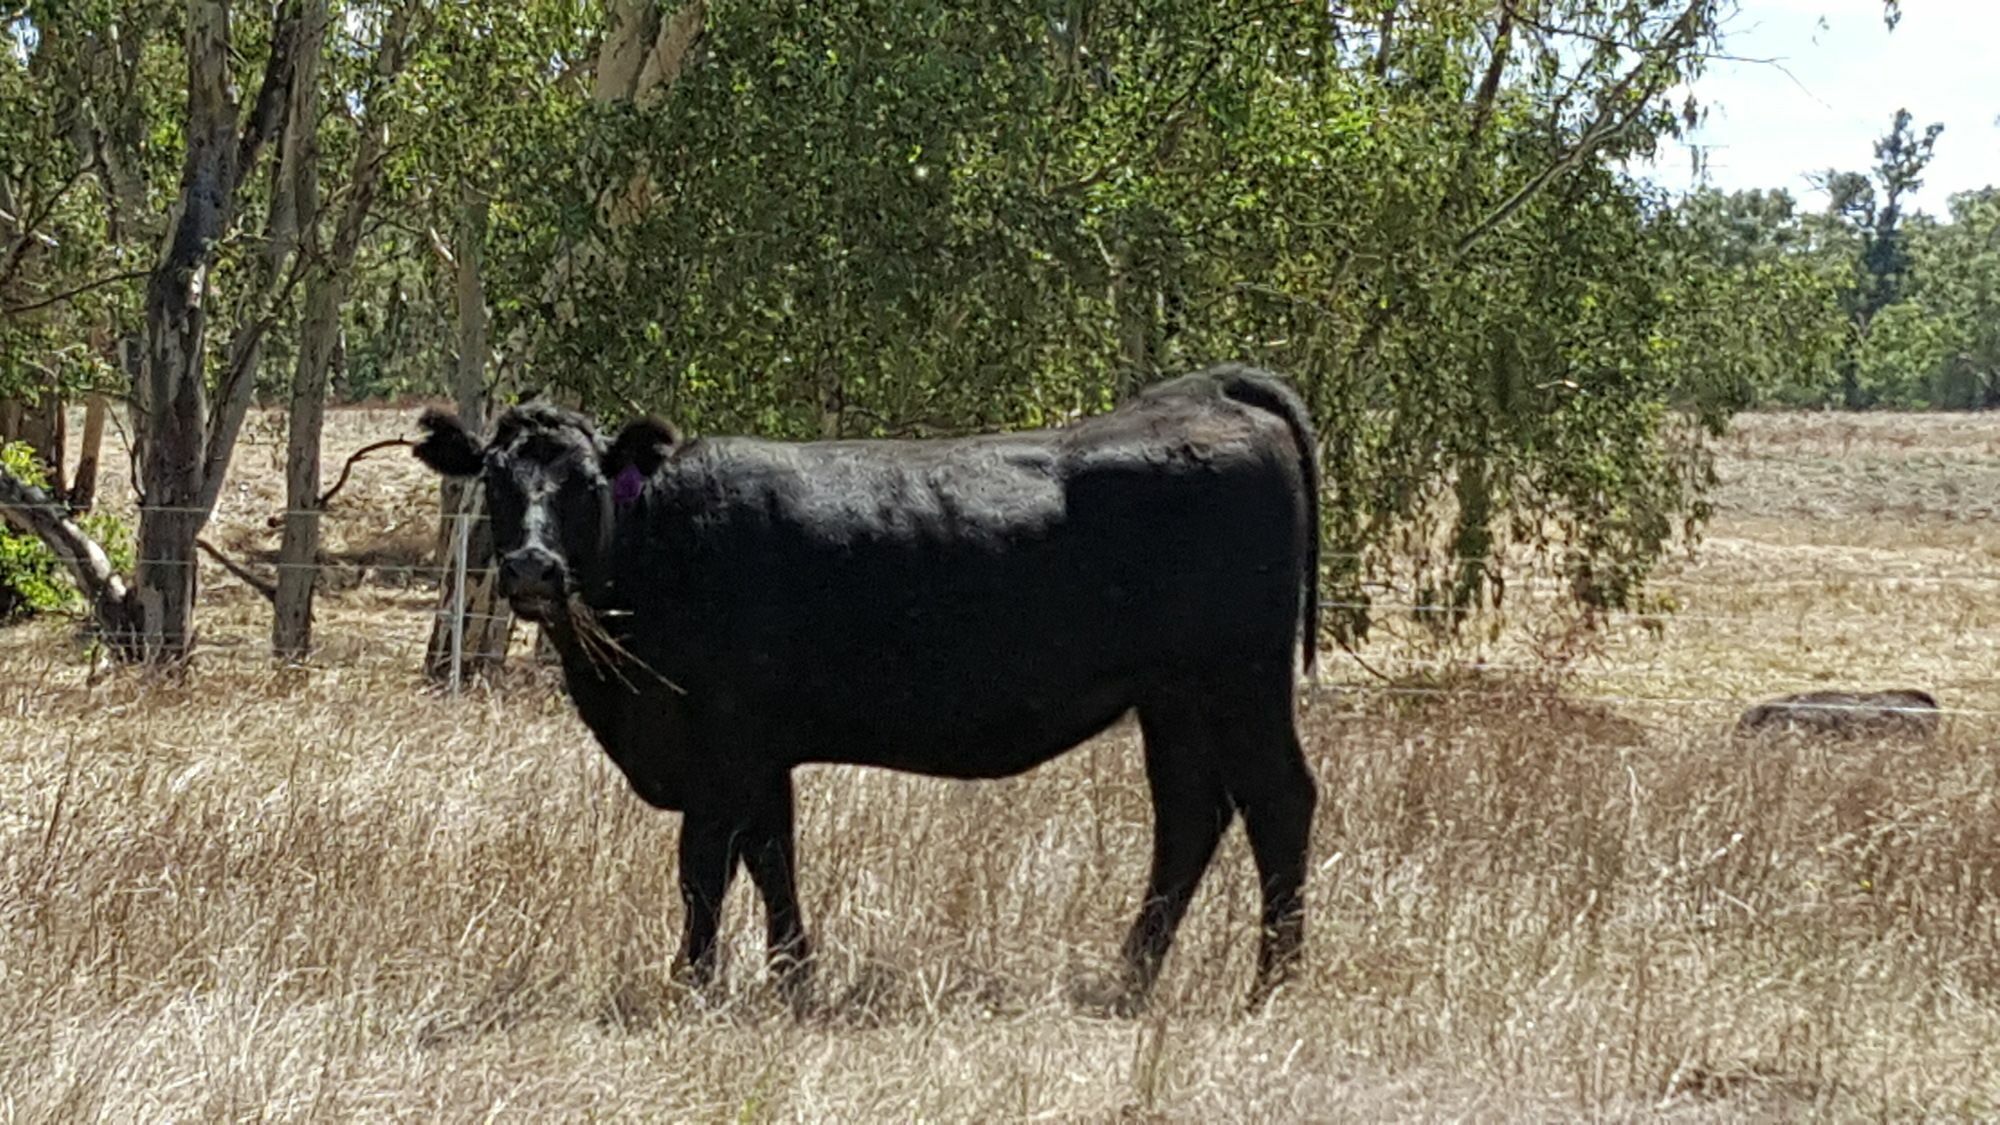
column 876, row 218
column 1940, row 346
column 489, row 96
column 32, row 579
column 1757, row 307
column 74, row 241
column 1863, row 305
column 1871, row 207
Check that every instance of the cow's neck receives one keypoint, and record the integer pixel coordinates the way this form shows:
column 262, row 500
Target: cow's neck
column 599, row 682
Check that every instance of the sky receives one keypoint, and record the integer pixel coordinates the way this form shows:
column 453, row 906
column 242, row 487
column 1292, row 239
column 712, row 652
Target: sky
column 1838, row 79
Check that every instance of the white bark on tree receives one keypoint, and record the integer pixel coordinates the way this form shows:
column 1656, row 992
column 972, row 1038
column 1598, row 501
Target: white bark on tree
column 35, row 512
column 186, row 448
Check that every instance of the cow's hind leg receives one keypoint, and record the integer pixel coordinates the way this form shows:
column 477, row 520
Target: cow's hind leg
column 1271, row 783
column 769, row 853
column 1191, row 811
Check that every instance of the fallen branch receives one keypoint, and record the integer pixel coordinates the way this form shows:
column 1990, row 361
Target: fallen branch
column 1365, row 666
column 268, row 589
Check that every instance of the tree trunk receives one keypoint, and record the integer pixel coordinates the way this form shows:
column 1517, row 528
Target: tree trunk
column 83, row 490
column 1135, row 303
column 291, row 622
column 187, row 452
column 319, row 334
column 487, row 625
column 468, row 385
column 175, row 407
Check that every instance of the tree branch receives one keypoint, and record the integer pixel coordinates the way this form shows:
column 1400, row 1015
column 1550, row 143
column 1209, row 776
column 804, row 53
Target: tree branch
column 34, row 512
column 78, row 291
column 1609, row 121
column 358, row 455
column 28, row 222
column 268, row 589
column 267, row 113
column 1482, row 110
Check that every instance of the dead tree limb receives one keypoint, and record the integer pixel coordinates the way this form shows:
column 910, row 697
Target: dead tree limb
column 36, row 513
column 266, row 588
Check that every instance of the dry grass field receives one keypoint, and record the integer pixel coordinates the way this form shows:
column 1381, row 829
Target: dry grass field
column 325, row 893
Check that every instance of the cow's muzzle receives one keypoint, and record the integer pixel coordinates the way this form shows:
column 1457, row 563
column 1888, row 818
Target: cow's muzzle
column 534, row 583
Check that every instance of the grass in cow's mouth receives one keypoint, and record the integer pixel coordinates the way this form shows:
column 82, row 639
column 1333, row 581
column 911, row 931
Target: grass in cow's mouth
column 329, row 894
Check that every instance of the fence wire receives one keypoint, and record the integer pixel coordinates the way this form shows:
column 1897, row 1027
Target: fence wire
column 217, row 647
column 410, row 663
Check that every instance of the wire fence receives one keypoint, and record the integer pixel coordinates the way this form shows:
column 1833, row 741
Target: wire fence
column 1391, row 674
column 1819, row 579
column 1916, row 572
column 410, row 662
column 1386, row 674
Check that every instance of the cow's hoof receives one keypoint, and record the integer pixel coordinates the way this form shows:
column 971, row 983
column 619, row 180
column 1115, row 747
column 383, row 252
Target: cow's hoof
column 795, row 989
column 1262, row 994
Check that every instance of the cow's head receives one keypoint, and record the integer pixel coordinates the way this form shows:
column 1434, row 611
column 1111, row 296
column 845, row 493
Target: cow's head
column 553, row 491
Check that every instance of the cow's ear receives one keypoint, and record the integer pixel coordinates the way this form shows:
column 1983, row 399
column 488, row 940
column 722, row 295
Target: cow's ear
column 447, row 446
column 643, row 445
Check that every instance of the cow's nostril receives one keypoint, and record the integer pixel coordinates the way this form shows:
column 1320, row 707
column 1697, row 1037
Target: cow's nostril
column 531, row 572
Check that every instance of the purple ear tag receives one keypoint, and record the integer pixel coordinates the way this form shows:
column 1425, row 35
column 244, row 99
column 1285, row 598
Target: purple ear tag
column 630, row 483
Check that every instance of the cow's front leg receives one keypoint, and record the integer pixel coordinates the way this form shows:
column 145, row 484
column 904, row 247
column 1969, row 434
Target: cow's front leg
column 767, row 846
column 708, row 862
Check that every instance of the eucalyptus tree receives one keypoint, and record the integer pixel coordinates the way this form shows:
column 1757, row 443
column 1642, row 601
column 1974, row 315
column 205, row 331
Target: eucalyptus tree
column 915, row 217
column 215, row 91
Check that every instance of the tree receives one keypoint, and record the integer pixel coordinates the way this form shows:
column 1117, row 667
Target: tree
column 871, row 218
column 326, row 287
column 55, row 308
column 1940, row 347
column 188, row 428
column 119, row 63
column 1757, row 302
column 1872, row 211
column 512, row 82
column 906, row 218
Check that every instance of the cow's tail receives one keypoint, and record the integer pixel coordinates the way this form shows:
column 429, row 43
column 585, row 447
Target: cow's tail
column 1268, row 393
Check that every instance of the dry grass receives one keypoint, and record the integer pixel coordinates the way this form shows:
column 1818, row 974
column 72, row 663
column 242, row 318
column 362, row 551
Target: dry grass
column 327, row 894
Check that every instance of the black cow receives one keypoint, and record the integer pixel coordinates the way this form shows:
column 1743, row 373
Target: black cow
column 728, row 608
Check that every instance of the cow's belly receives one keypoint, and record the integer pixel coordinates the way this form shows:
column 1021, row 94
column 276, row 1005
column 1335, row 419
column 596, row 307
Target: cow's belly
column 967, row 738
